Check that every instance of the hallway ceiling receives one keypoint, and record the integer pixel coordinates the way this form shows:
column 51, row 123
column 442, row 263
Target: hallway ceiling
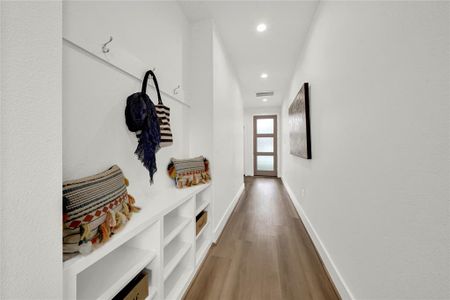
column 274, row 51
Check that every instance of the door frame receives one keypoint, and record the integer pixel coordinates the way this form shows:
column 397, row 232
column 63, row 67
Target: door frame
column 274, row 135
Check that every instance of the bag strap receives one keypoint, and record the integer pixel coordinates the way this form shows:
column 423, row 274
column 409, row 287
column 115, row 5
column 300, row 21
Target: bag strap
column 145, row 81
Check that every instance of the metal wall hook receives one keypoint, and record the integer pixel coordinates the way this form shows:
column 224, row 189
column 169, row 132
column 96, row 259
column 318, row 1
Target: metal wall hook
column 104, row 49
column 175, row 90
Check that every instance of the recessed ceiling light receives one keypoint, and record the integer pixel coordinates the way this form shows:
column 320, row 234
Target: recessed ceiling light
column 261, row 27
column 264, row 100
column 264, row 75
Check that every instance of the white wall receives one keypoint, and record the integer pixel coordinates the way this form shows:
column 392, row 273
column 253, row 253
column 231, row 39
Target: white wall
column 201, row 89
column 95, row 135
column 377, row 189
column 249, row 113
column 216, row 118
column 228, row 135
column 94, row 131
column 30, row 229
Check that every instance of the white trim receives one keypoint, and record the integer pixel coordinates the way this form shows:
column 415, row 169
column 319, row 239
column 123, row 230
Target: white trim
column 221, row 225
column 339, row 282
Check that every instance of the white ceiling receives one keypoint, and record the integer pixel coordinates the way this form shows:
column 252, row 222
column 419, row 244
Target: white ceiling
column 274, row 51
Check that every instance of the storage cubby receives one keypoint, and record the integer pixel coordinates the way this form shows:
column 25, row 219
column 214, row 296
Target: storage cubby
column 179, row 253
column 203, row 231
column 149, row 239
column 203, row 242
column 174, row 252
column 177, row 220
column 107, row 277
column 178, row 280
column 203, row 199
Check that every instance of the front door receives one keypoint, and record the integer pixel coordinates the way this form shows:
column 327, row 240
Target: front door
column 265, row 145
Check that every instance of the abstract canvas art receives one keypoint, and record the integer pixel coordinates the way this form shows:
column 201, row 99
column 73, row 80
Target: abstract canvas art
column 299, row 128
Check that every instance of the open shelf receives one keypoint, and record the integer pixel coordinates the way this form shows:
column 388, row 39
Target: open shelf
column 201, row 205
column 202, row 201
column 203, row 244
column 108, row 276
column 173, row 253
column 203, row 230
column 176, row 282
column 173, row 225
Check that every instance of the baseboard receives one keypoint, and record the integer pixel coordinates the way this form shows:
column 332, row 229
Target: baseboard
column 219, row 228
column 338, row 281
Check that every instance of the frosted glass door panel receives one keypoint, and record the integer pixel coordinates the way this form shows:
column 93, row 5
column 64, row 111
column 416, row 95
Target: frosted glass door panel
column 264, row 126
column 264, row 163
column 264, row 144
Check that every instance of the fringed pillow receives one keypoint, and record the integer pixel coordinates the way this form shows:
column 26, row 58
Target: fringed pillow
column 94, row 208
column 189, row 172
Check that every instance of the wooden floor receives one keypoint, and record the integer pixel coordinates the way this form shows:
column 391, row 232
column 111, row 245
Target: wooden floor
column 263, row 253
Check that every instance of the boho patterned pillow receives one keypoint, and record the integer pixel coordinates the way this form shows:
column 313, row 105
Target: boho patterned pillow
column 94, row 208
column 189, row 172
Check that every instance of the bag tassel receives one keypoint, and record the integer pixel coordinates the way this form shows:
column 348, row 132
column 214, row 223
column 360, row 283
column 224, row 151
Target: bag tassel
column 104, row 232
column 85, row 244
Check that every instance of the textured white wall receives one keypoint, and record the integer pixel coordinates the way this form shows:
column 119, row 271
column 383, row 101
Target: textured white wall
column 200, row 89
column 228, row 133
column 249, row 113
column 377, row 188
column 31, row 260
column 95, row 135
column 216, row 117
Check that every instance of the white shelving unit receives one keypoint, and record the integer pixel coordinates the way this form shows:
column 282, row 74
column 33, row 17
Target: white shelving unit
column 160, row 239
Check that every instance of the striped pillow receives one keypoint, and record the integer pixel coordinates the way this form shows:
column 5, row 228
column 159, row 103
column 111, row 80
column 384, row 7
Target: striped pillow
column 94, row 208
column 163, row 113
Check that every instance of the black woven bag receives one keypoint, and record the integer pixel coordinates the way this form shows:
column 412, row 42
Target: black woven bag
column 140, row 117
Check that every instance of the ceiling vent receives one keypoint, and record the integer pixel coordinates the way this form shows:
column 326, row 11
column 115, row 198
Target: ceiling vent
column 264, row 94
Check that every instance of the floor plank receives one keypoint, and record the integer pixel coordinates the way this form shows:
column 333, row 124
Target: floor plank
column 264, row 252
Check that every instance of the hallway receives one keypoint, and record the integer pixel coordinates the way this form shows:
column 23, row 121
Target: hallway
column 264, row 252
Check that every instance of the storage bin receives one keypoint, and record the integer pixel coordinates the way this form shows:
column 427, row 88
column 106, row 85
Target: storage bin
column 201, row 220
column 137, row 289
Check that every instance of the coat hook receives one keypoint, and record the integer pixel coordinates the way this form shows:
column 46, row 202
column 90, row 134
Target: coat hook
column 104, row 49
column 175, row 90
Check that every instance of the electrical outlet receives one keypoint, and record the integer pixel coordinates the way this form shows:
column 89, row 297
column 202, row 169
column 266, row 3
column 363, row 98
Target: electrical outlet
column 303, row 193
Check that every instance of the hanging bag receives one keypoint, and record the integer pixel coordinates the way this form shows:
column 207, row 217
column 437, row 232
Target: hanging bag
column 141, row 118
column 163, row 113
